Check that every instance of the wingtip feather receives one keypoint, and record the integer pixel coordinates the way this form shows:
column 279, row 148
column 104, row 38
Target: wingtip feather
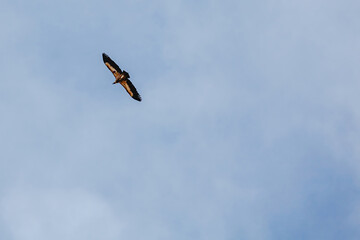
column 105, row 57
column 138, row 98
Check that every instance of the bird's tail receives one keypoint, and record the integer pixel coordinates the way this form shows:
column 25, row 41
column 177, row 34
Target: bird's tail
column 126, row 74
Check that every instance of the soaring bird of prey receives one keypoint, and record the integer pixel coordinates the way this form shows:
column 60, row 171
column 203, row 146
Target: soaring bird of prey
column 121, row 77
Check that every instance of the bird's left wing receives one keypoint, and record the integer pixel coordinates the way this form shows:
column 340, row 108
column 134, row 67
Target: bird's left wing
column 130, row 88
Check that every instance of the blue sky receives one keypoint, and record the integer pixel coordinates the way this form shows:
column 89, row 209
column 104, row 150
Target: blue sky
column 248, row 129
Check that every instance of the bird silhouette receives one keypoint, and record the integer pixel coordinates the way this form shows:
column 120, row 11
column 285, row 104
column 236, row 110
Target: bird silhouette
column 121, row 77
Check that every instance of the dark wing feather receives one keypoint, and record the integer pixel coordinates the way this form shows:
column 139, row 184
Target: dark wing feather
column 131, row 90
column 112, row 65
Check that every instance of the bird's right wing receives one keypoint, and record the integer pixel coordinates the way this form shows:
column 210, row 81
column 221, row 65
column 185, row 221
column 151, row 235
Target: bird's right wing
column 130, row 88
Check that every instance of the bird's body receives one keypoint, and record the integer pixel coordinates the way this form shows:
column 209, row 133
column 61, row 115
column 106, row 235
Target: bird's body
column 121, row 77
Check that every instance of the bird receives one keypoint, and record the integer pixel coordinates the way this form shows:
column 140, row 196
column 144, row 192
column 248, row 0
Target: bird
column 121, row 77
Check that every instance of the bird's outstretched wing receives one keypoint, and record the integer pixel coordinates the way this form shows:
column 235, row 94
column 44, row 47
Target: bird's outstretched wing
column 112, row 66
column 129, row 87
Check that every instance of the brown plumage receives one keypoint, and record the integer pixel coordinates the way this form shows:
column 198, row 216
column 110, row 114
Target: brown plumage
column 121, row 77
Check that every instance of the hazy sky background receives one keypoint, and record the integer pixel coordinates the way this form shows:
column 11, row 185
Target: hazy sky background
column 248, row 129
